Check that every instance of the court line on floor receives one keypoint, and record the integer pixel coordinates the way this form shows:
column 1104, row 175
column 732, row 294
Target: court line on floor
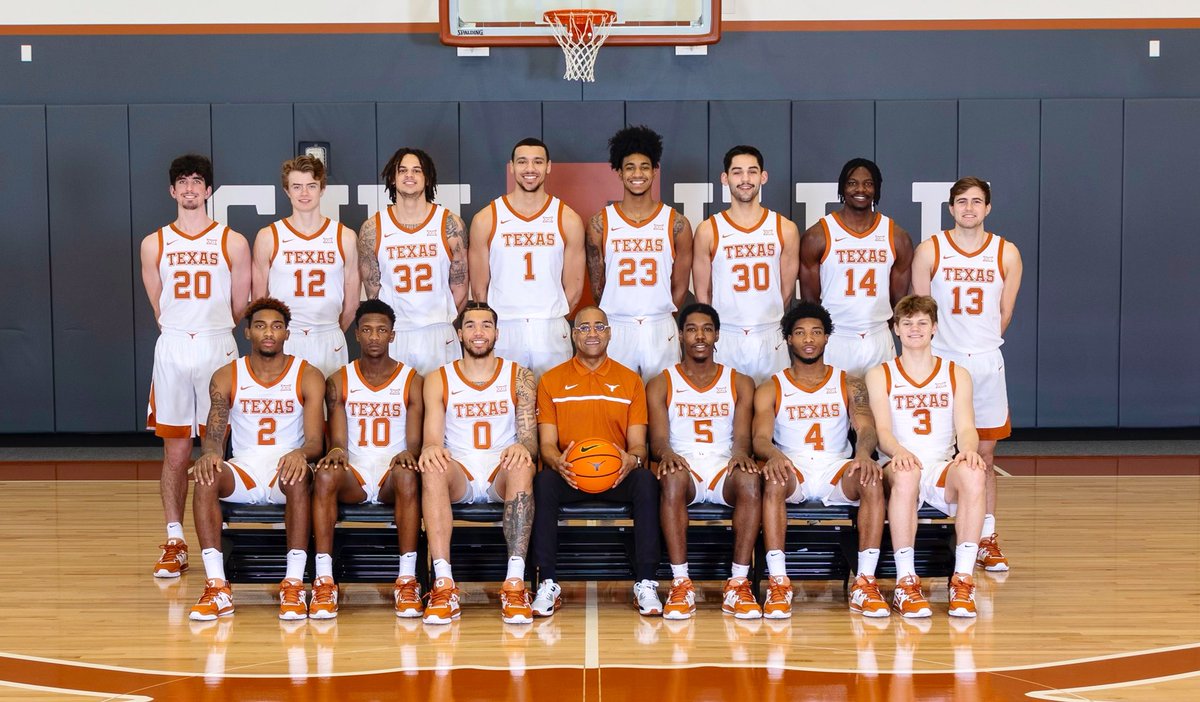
column 78, row 693
column 1072, row 694
column 591, row 649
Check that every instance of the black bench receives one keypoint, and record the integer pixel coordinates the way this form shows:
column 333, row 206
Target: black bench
column 595, row 543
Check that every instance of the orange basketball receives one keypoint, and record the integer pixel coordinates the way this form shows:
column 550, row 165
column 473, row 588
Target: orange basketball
column 595, row 463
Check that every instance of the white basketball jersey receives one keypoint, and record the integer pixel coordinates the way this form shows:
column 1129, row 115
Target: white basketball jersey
column 480, row 418
column 746, row 288
column 376, row 416
column 638, row 260
column 525, row 257
column 856, row 273
column 812, row 421
column 196, row 281
column 414, row 269
column 967, row 288
column 266, row 418
column 308, row 273
column 700, row 419
column 923, row 413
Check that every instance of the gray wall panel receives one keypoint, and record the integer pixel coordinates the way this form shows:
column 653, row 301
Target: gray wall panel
column 578, row 132
column 430, row 126
column 766, row 126
column 1160, row 247
column 998, row 140
column 349, row 128
column 487, row 133
column 1078, row 320
column 825, row 135
column 914, row 141
column 26, row 340
column 249, row 143
column 91, row 286
column 684, row 128
column 157, row 134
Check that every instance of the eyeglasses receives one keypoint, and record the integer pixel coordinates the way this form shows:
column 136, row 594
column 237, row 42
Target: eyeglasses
column 598, row 327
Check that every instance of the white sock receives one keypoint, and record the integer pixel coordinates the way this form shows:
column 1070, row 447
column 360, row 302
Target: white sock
column 214, row 564
column 776, row 563
column 408, row 564
column 516, row 568
column 964, row 557
column 904, row 563
column 679, row 571
column 175, row 531
column 740, row 571
column 324, row 565
column 296, row 560
column 867, row 560
column 441, row 569
column 989, row 526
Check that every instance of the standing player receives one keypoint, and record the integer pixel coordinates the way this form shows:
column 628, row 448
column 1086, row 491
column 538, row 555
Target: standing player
column 922, row 407
column 310, row 263
column 975, row 275
column 593, row 397
column 375, row 411
column 413, row 256
column 856, row 263
column 527, row 263
column 802, row 421
column 747, row 268
column 271, row 404
column 647, row 248
column 480, row 445
column 700, row 417
column 197, row 277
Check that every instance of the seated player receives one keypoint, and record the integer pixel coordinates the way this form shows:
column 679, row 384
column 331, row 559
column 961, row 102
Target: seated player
column 375, row 413
column 592, row 396
column 920, row 422
column 271, row 404
column 700, row 415
column 480, row 445
column 802, row 419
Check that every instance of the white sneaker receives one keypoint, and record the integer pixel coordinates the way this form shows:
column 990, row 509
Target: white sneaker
column 645, row 594
column 549, row 598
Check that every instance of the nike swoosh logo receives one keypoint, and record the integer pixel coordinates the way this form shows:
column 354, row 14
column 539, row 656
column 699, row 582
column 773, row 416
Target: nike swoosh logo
column 839, row 239
column 681, row 390
column 613, row 229
column 671, row 338
column 338, row 349
column 585, row 449
column 355, row 390
column 455, row 392
column 950, row 256
column 388, row 234
column 570, row 387
column 449, row 342
column 788, row 394
column 505, row 221
column 245, row 387
column 228, row 354
column 288, row 241
column 170, row 243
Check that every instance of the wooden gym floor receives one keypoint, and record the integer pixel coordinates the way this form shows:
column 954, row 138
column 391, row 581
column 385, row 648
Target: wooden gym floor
column 1102, row 604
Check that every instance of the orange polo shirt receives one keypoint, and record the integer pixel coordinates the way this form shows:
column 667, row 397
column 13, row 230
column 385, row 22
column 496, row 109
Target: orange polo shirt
column 587, row 404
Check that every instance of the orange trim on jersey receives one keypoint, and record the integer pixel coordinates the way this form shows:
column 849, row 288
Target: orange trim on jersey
column 300, row 381
column 495, row 221
column 604, row 231
column 851, row 232
column 562, row 234
column 246, row 479
column 512, row 386
column 671, row 229
column 341, row 372
column 716, row 378
column 953, row 382
column 274, row 246
column 373, row 388
column 996, row 433
column 630, row 222
column 828, row 239
column 733, row 384
column 937, row 256
column 779, row 231
column 202, row 429
column 207, row 229
column 171, row 431
column 717, row 478
column 842, row 383
column 341, row 229
column 273, row 383
column 233, row 381
column 151, row 408
column 778, row 394
column 936, row 367
column 378, row 232
column 716, row 236
column 837, row 477
column 225, row 248
column 302, row 235
column 976, row 252
column 419, row 227
column 766, row 213
column 1000, row 257
column 535, row 215
column 445, row 242
column 445, row 389
column 160, row 247
column 667, row 374
column 494, row 473
column 887, row 378
column 941, row 481
column 479, row 386
column 892, row 237
column 787, row 373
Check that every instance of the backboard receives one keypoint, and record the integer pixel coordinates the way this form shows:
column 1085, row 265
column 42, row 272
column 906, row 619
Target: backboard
column 519, row 22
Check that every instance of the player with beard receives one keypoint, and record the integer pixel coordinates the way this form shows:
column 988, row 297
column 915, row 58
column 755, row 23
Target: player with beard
column 856, row 263
column 802, row 419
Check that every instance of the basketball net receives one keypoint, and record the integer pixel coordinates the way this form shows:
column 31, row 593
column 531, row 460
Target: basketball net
column 580, row 33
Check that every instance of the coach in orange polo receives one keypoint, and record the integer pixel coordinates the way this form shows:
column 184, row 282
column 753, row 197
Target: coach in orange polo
column 593, row 396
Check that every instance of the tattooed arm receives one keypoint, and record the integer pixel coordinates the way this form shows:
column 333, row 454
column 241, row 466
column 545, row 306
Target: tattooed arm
column 212, row 455
column 594, row 249
column 525, row 451
column 456, row 239
column 368, row 262
column 863, row 421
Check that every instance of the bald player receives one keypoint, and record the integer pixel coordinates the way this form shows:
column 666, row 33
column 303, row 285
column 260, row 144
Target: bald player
column 527, row 263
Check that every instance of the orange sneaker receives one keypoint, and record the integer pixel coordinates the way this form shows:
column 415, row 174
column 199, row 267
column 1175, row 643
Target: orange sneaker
column 990, row 557
column 908, row 599
column 173, row 561
column 738, row 600
column 779, row 598
column 866, row 599
column 681, row 601
column 292, row 599
column 515, row 602
column 406, row 595
column 324, row 603
column 962, row 595
column 216, row 601
column 443, row 602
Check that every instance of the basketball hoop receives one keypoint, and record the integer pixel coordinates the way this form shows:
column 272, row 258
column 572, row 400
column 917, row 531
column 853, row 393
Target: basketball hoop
column 580, row 33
